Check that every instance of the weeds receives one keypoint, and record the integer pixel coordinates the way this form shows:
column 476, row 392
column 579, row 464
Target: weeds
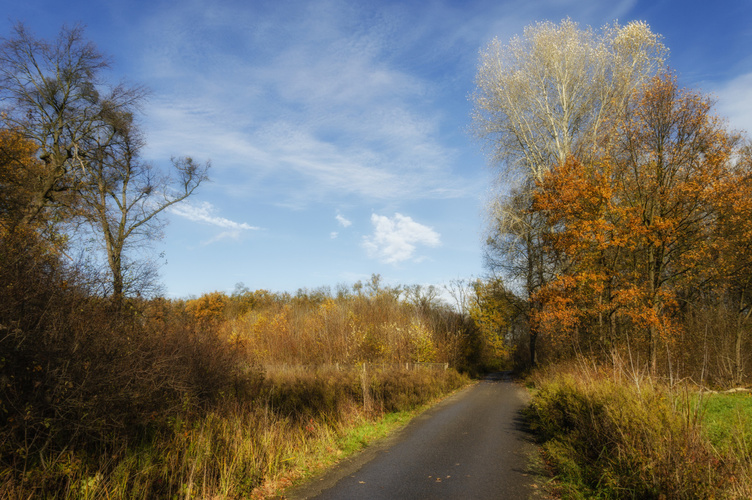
column 235, row 450
column 161, row 399
column 613, row 436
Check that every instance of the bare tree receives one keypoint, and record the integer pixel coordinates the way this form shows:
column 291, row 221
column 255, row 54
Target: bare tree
column 84, row 129
column 124, row 197
column 459, row 289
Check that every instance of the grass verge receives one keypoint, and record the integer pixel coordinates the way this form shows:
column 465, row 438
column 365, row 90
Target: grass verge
column 607, row 434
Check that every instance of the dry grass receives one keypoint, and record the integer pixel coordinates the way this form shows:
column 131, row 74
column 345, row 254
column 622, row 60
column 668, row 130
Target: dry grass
column 167, row 399
column 237, row 450
column 613, row 434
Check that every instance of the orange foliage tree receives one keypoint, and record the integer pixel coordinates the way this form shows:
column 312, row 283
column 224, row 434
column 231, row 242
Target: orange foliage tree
column 635, row 230
column 208, row 309
column 20, row 174
column 733, row 259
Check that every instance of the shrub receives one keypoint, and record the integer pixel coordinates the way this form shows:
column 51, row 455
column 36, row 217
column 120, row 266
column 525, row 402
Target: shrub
column 624, row 440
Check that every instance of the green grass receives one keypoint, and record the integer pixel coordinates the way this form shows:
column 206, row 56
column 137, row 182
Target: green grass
column 359, row 437
column 727, row 420
column 607, row 436
column 330, row 443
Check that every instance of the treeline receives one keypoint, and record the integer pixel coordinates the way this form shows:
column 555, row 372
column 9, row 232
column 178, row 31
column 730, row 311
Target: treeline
column 370, row 323
column 624, row 224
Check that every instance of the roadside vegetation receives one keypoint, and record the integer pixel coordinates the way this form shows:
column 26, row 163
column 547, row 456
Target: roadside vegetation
column 156, row 398
column 615, row 433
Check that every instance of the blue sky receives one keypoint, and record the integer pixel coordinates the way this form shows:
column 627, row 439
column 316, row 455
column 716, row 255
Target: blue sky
column 337, row 130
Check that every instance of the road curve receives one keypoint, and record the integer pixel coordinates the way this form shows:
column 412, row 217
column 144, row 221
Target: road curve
column 471, row 446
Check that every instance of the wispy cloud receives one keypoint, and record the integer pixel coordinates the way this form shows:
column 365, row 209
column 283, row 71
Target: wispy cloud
column 308, row 99
column 205, row 213
column 735, row 102
column 343, row 221
column 396, row 239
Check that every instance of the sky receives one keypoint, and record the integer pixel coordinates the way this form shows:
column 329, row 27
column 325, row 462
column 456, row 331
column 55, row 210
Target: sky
column 338, row 131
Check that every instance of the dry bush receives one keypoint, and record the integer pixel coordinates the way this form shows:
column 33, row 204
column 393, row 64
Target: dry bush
column 623, row 435
column 81, row 379
column 349, row 330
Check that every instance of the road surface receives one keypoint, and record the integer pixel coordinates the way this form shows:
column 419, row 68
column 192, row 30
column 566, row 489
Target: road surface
column 471, row 446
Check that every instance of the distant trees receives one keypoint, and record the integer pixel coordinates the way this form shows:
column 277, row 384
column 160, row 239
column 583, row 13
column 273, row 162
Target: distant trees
column 494, row 309
column 86, row 138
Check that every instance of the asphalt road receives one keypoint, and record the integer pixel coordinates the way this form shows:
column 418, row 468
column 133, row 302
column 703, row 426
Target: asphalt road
column 471, row 446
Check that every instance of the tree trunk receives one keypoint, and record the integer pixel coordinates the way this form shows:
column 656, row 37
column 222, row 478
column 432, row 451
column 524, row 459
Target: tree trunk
column 652, row 331
column 741, row 319
column 533, row 352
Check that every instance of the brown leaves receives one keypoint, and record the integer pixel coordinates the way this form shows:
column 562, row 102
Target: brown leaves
column 645, row 223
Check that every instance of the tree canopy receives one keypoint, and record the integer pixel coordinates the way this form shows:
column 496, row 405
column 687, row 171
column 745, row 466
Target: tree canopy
column 622, row 220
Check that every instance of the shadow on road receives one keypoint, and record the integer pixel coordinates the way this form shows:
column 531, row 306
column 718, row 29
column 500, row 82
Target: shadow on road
column 506, row 376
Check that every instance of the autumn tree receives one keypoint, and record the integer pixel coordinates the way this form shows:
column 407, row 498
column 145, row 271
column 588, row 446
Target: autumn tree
column 637, row 227
column 515, row 250
column 19, row 168
column 540, row 98
column 208, row 309
column 732, row 260
column 673, row 156
column 493, row 308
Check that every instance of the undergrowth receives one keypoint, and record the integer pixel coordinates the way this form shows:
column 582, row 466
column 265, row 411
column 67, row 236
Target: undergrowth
column 298, row 424
column 607, row 434
column 156, row 398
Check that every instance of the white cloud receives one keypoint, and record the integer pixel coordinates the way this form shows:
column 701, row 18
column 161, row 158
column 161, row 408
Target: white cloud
column 327, row 109
column 735, row 102
column 204, row 213
column 343, row 221
column 396, row 240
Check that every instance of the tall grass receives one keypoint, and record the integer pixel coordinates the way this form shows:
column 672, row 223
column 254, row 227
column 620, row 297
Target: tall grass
column 236, row 450
column 610, row 433
column 167, row 399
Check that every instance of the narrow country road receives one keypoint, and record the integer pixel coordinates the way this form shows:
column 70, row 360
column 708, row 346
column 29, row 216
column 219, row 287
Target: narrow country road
column 470, row 446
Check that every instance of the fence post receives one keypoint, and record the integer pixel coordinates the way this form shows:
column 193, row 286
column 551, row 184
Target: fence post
column 364, row 382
